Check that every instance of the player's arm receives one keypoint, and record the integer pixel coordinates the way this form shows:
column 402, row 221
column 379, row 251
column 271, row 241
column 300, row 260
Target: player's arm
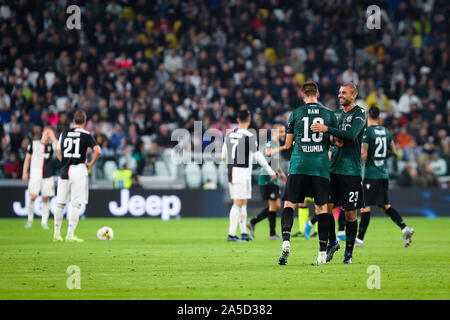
column 26, row 167
column 356, row 126
column 289, row 141
column 273, row 151
column 392, row 151
column 97, row 154
column 282, row 175
column 364, row 152
column 263, row 163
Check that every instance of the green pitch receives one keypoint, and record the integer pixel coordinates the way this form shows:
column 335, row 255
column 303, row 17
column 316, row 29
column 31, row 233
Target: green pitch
column 190, row 259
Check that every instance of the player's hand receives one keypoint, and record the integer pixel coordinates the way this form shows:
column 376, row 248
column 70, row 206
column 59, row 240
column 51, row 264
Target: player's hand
column 338, row 142
column 89, row 165
column 319, row 127
column 273, row 176
column 25, row 177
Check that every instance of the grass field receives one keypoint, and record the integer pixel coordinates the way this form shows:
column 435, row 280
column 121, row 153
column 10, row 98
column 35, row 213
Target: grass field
column 190, row 259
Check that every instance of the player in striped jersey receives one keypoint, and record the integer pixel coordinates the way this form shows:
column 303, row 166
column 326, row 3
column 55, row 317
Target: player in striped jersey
column 73, row 181
column 239, row 149
column 40, row 176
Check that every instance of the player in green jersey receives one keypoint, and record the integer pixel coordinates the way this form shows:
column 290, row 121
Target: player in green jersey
column 309, row 168
column 376, row 147
column 270, row 191
column 345, row 176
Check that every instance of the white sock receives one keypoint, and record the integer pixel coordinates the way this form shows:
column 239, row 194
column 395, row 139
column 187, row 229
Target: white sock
column 234, row 220
column 30, row 212
column 45, row 212
column 286, row 243
column 58, row 215
column 74, row 216
column 243, row 219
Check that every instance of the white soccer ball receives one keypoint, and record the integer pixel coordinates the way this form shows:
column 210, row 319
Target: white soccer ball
column 105, row 233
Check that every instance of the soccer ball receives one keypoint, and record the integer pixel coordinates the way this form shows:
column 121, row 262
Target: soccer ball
column 105, row 233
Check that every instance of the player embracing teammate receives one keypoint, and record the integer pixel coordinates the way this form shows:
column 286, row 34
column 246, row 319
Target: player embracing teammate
column 309, row 168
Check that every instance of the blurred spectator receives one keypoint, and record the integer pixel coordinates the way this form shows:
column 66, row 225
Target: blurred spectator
column 12, row 167
column 403, row 138
column 406, row 100
column 117, row 136
column 128, row 159
column 379, row 99
column 438, row 164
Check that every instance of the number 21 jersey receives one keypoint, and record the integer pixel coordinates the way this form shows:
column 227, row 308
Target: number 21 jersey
column 73, row 144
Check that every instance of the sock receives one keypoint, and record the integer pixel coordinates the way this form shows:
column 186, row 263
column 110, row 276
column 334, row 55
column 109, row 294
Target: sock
column 74, row 215
column 287, row 220
column 395, row 216
column 243, row 219
column 314, row 219
column 350, row 234
column 45, row 212
column 363, row 224
column 303, row 215
column 332, row 229
column 272, row 222
column 58, row 215
column 234, row 220
column 323, row 226
column 261, row 216
column 30, row 212
column 341, row 221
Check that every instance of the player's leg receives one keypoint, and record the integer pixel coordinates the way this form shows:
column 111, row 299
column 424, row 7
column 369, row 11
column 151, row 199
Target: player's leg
column 274, row 206
column 262, row 215
column 323, row 227
column 243, row 221
column 234, row 213
column 45, row 212
column 30, row 210
column 350, row 234
column 303, row 215
column 287, row 220
column 341, row 225
column 62, row 197
column 48, row 191
column 79, row 188
column 395, row 216
column 363, row 225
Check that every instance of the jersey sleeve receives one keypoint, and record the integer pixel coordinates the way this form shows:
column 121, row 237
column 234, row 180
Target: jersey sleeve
column 365, row 138
column 91, row 141
column 357, row 124
column 30, row 148
column 291, row 124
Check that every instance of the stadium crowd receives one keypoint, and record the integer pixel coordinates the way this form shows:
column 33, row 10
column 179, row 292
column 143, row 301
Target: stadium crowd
column 144, row 68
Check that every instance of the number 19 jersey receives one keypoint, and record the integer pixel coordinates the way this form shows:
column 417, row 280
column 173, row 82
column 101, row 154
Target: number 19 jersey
column 73, row 145
column 310, row 155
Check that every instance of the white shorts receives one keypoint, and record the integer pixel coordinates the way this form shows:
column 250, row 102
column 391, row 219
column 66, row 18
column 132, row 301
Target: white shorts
column 76, row 188
column 241, row 190
column 45, row 187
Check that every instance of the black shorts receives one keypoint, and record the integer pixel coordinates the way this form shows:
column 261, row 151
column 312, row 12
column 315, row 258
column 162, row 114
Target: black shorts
column 299, row 186
column 376, row 192
column 270, row 191
column 346, row 191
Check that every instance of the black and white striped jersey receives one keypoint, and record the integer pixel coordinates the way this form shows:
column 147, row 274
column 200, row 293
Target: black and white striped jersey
column 73, row 144
column 41, row 155
column 239, row 148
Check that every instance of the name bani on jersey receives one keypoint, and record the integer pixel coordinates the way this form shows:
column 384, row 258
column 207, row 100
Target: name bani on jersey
column 316, row 148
